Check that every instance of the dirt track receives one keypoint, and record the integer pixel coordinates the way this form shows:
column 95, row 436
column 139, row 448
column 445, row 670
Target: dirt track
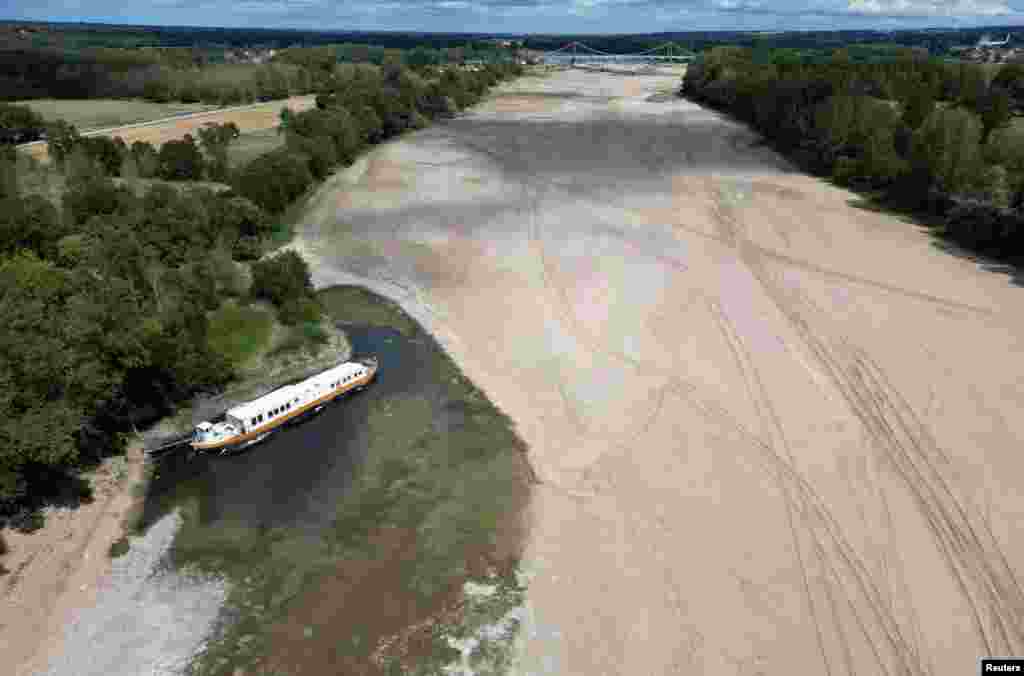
column 777, row 433
column 253, row 117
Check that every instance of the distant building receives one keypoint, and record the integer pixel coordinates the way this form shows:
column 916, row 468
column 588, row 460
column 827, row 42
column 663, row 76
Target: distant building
column 246, row 55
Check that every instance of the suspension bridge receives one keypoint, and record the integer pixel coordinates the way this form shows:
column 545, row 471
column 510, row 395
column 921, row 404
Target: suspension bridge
column 579, row 53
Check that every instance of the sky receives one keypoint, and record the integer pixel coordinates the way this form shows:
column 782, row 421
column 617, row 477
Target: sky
column 530, row 16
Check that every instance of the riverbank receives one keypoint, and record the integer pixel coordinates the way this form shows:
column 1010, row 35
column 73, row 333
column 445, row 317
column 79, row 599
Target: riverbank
column 394, row 520
column 282, row 361
column 384, row 533
column 56, row 570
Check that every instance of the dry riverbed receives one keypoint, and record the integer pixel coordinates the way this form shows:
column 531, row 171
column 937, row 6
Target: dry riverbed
column 776, row 433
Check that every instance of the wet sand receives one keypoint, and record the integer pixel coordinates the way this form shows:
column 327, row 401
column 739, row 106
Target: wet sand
column 776, row 433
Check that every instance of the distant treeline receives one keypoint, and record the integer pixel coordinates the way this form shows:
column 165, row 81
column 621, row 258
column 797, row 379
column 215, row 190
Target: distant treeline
column 195, row 75
column 82, row 36
column 160, row 77
column 922, row 134
column 107, row 294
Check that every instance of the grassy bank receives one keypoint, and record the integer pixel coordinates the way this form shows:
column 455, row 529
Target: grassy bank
column 239, row 332
column 251, row 145
column 419, row 555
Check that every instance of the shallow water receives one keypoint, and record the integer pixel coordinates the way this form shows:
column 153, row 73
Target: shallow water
column 154, row 618
column 295, row 477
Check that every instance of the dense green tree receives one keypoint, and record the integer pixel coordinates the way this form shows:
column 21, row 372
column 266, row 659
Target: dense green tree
column 282, row 278
column 1010, row 79
column 107, row 152
column 88, row 193
column 181, row 160
column 30, row 223
column 20, row 124
column 973, row 86
column 918, row 106
column 147, row 159
column 994, row 110
column 274, row 179
column 232, row 217
column 61, row 140
column 8, row 173
column 947, row 147
column 216, row 140
column 321, row 156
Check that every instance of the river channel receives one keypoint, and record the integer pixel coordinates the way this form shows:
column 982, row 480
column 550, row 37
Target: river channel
column 382, row 533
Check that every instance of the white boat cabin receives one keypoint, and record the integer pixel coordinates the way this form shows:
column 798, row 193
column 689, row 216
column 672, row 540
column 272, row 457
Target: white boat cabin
column 284, row 402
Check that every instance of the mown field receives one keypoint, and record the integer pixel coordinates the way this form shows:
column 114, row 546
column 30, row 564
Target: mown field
column 89, row 114
column 250, row 145
column 257, row 117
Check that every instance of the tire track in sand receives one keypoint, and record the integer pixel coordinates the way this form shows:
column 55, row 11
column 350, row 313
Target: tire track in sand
column 821, row 527
column 715, row 412
column 962, row 537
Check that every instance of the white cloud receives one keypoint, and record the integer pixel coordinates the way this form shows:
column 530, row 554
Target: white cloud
column 930, row 7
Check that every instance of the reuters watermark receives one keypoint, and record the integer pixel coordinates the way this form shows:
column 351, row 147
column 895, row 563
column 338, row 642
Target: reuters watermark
column 1002, row 665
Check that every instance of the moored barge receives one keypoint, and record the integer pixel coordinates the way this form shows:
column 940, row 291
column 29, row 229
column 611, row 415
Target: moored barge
column 253, row 421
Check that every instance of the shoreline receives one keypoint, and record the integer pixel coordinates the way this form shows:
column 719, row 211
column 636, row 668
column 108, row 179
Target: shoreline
column 54, row 572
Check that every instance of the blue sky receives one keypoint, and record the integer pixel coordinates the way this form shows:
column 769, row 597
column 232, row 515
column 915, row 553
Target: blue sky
column 531, row 16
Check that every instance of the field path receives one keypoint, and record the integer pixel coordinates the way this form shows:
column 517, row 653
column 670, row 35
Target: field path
column 253, row 117
column 776, row 434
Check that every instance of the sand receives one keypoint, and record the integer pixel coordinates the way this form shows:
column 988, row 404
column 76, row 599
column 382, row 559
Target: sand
column 776, row 433
column 248, row 118
column 56, row 570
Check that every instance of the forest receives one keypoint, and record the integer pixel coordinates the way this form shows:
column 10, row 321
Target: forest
column 107, row 288
column 935, row 138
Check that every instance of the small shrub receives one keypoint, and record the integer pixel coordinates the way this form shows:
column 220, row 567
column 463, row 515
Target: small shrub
column 27, row 521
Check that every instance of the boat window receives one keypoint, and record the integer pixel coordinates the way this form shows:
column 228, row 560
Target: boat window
column 253, row 421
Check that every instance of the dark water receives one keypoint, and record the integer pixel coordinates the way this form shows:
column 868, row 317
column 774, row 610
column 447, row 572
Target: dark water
column 295, row 477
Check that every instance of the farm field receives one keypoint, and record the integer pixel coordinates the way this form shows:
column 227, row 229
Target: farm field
column 89, row 114
column 255, row 117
